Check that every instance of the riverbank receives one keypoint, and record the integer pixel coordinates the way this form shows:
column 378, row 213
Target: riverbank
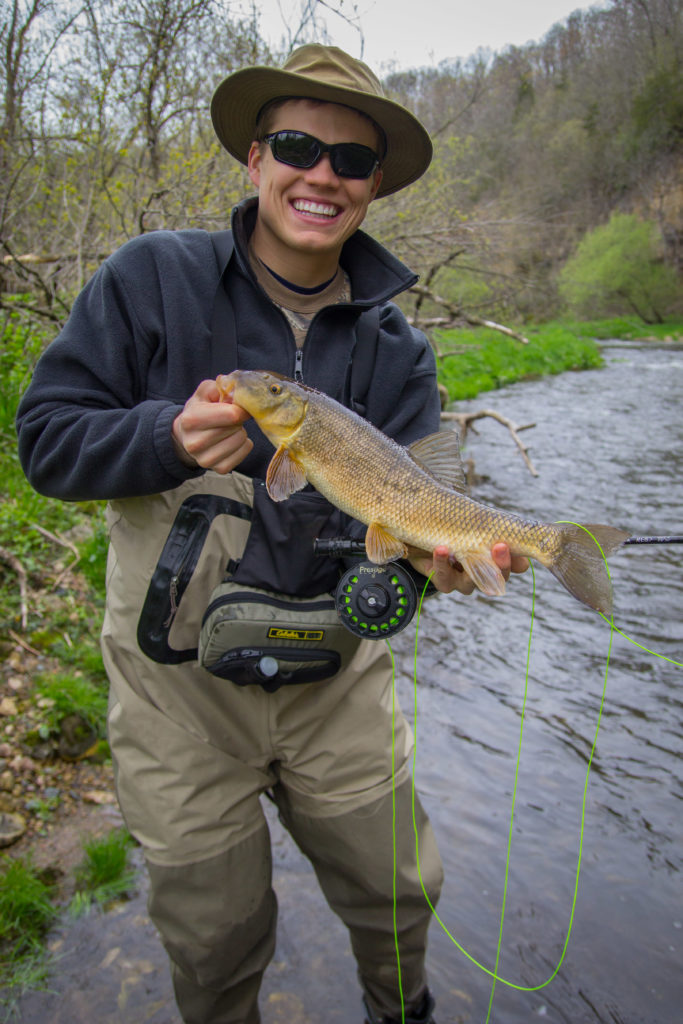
column 476, row 360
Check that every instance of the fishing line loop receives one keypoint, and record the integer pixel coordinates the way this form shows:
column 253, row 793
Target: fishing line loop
column 493, row 973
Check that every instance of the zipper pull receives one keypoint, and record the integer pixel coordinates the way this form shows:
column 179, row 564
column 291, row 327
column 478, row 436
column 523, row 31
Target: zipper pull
column 173, row 595
column 298, row 366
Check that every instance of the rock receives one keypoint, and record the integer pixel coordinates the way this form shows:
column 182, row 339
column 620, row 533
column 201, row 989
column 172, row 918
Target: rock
column 8, row 706
column 98, row 796
column 12, row 828
column 77, row 738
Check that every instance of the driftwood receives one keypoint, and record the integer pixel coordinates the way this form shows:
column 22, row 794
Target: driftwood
column 13, row 562
column 465, row 420
column 62, row 542
column 456, row 314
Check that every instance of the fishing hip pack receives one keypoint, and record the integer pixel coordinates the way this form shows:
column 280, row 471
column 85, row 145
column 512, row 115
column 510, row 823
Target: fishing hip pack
column 272, row 639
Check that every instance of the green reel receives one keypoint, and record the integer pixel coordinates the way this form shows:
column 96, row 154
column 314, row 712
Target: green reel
column 376, row 601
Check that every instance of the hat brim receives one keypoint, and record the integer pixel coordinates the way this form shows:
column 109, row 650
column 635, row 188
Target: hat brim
column 239, row 99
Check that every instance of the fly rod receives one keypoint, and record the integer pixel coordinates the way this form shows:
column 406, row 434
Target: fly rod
column 654, row 540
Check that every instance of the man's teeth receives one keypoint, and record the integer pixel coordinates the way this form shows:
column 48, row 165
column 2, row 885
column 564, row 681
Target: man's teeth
column 320, row 209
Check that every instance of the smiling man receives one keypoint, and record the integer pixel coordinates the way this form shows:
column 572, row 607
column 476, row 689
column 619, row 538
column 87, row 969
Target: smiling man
column 124, row 406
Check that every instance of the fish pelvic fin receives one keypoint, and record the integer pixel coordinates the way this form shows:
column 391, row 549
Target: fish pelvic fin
column 381, row 546
column 285, row 475
column 580, row 566
column 483, row 572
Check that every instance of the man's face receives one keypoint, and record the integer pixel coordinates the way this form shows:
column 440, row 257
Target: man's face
column 310, row 212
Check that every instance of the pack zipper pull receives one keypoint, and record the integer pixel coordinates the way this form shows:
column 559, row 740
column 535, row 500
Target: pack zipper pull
column 173, row 596
column 298, row 366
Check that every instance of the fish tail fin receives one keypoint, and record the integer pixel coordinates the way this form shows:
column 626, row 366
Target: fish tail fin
column 580, row 565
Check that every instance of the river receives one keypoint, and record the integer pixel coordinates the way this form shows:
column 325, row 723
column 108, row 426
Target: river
column 608, row 445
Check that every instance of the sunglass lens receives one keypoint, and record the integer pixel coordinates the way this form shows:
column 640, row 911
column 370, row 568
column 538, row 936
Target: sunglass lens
column 353, row 161
column 296, row 149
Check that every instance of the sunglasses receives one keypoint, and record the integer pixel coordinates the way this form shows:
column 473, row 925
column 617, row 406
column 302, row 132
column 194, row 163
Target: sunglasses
column 348, row 159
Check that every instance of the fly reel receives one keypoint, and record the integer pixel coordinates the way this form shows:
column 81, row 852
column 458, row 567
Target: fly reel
column 376, row 601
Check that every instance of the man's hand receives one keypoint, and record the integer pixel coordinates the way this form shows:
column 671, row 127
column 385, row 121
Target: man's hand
column 449, row 575
column 209, row 433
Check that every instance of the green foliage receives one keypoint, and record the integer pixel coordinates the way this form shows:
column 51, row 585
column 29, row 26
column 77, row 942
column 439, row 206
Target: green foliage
column 73, row 618
column 104, row 875
column 658, row 107
column 62, row 695
column 26, row 912
column 627, row 328
column 618, row 268
column 484, row 360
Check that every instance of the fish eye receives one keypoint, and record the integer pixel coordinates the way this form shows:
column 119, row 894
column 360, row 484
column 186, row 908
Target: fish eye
column 275, row 389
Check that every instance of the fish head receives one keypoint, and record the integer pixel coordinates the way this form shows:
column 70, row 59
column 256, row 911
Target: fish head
column 277, row 404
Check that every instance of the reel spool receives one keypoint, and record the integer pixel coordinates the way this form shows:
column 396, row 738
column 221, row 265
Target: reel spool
column 376, row 601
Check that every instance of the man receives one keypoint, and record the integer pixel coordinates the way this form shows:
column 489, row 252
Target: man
column 124, row 406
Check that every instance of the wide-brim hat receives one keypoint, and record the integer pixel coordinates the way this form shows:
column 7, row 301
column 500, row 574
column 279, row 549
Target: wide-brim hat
column 326, row 73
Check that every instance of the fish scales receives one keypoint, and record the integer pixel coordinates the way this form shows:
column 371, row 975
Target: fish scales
column 376, row 481
column 407, row 496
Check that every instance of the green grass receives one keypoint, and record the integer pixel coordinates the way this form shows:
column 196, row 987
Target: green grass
column 26, row 913
column 485, row 360
column 626, row 329
column 104, row 875
column 70, row 695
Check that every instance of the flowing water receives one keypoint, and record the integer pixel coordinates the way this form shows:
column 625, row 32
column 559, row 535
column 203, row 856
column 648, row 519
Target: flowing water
column 608, row 445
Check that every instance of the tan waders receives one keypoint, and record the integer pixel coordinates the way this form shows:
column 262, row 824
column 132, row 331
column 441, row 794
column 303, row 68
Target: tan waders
column 193, row 755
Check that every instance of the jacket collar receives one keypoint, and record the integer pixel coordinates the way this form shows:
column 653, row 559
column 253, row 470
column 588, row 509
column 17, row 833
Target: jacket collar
column 376, row 276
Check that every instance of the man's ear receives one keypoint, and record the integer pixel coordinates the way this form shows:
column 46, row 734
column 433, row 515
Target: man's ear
column 254, row 163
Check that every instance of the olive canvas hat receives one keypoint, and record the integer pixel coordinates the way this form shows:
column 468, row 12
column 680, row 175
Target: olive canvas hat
column 324, row 73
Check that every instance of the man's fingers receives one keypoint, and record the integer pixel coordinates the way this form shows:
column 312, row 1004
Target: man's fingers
column 506, row 561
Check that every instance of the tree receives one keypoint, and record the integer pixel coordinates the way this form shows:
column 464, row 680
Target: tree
column 619, row 268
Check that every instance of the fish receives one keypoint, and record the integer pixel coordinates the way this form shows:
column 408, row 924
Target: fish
column 410, row 497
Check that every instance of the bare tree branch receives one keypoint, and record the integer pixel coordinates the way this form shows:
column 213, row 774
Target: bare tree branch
column 465, row 419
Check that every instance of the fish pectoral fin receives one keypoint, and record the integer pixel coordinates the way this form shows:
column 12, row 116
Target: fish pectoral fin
column 285, row 475
column 439, row 455
column 381, row 546
column 483, row 572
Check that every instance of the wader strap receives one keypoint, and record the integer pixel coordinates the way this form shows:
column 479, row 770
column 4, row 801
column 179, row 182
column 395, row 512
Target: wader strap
column 224, row 333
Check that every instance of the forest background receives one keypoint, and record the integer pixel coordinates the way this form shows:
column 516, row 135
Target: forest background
column 105, row 134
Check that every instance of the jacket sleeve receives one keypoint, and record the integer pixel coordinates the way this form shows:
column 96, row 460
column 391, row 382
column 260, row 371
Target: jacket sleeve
column 88, row 427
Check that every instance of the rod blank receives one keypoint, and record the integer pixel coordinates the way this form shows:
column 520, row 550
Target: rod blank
column 654, row 540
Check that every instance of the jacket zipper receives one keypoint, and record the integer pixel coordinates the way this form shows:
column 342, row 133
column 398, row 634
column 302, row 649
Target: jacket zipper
column 298, row 366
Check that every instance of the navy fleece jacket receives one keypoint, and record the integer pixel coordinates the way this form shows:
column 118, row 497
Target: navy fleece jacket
column 95, row 422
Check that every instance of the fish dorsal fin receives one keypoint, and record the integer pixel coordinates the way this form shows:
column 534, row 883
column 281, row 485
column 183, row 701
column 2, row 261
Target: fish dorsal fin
column 439, row 455
column 285, row 475
column 381, row 546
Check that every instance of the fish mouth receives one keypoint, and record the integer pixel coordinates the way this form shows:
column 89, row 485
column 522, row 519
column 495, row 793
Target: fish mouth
column 226, row 383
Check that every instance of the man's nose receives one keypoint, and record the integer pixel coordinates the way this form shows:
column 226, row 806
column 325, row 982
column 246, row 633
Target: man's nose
column 322, row 172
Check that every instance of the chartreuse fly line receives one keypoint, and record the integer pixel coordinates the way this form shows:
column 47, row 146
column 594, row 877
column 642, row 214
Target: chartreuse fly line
column 493, row 973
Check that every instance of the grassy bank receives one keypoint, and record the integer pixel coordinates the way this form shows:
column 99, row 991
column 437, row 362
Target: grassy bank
column 475, row 360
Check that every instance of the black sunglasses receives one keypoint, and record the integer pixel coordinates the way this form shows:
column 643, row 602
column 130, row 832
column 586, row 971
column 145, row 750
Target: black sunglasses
column 348, row 159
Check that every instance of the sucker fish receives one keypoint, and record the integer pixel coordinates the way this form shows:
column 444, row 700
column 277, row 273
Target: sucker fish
column 409, row 496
